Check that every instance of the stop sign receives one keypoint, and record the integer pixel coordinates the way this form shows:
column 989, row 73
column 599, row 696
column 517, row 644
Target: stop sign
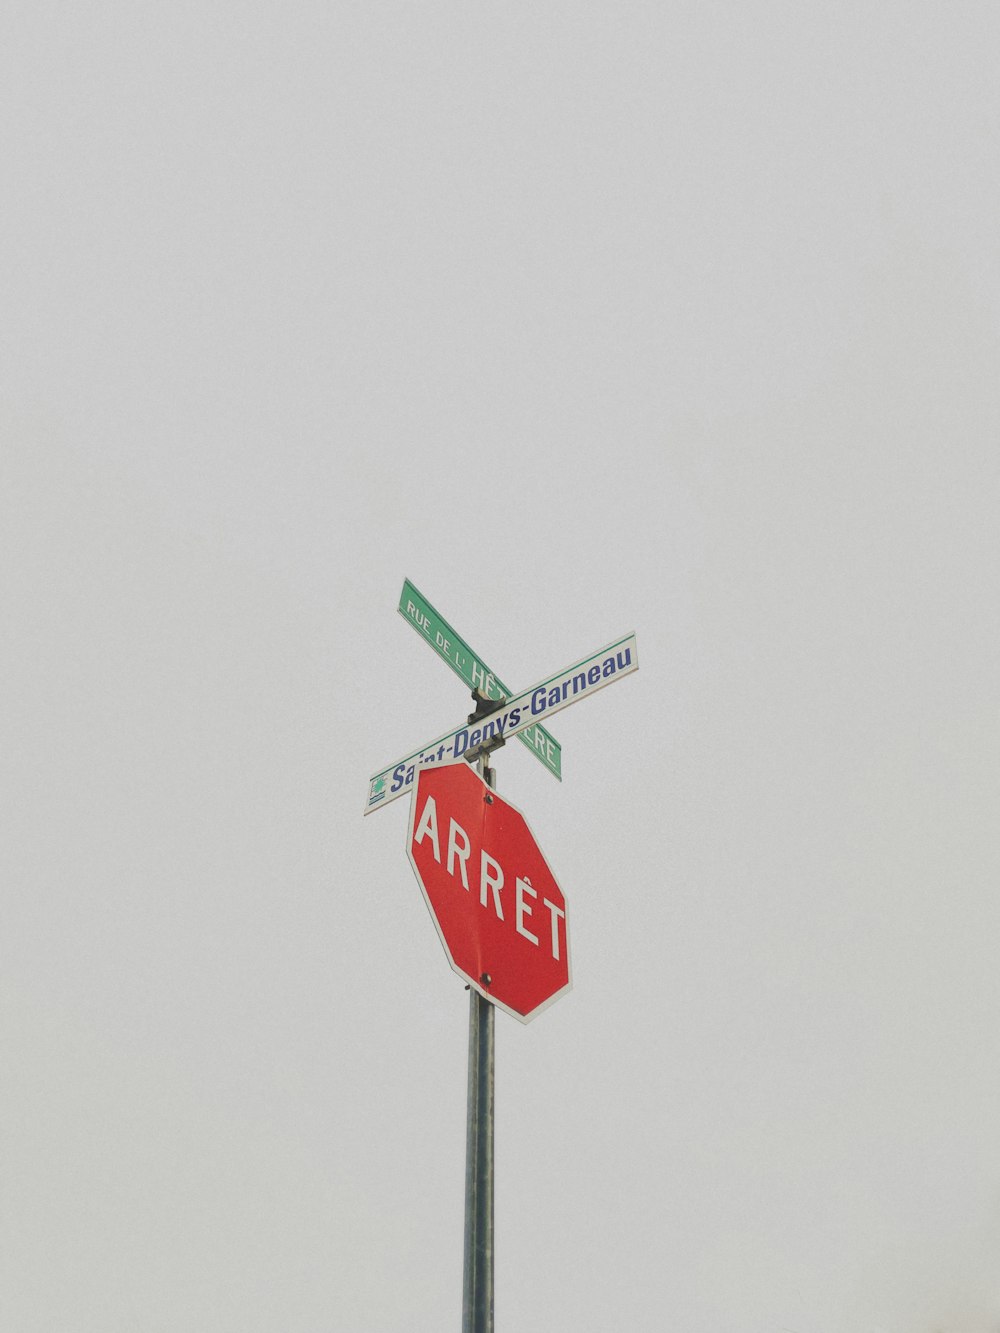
column 498, row 909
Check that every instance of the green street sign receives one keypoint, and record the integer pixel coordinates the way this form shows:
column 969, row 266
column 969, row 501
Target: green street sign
column 415, row 608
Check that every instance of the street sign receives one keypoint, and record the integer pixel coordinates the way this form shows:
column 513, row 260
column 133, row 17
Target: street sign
column 496, row 904
column 415, row 608
column 467, row 741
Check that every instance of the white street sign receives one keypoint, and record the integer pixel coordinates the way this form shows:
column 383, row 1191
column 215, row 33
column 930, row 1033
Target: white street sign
column 549, row 696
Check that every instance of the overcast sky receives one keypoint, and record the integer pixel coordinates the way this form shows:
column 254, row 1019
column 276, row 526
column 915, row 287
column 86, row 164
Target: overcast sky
column 674, row 318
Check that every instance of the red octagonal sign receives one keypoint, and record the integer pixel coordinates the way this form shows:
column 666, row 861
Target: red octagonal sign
column 498, row 909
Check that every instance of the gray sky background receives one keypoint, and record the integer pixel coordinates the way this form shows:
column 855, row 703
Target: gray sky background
column 587, row 318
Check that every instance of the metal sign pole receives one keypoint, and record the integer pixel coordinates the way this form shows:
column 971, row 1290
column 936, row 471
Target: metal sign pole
column 477, row 1304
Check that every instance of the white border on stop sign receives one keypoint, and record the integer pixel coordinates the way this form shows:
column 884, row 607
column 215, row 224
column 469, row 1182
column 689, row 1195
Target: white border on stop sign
column 470, row 981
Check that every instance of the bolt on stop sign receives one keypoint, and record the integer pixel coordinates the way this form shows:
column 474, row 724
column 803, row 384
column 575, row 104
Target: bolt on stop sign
column 496, row 904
